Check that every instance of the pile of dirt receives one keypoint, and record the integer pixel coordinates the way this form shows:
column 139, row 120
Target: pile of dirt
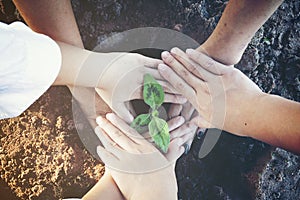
column 42, row 156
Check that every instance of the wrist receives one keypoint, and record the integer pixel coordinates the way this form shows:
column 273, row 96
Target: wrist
column 106, row 188
column 226, row 56
column 165, row 186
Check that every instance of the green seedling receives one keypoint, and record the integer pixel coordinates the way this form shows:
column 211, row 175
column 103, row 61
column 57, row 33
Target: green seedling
column 153, row 95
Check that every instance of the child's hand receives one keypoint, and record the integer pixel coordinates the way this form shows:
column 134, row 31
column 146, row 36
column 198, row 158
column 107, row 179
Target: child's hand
column 122, row 81
column 134, row 163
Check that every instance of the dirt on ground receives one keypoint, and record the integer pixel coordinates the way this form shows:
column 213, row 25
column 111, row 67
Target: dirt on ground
column 42, row 156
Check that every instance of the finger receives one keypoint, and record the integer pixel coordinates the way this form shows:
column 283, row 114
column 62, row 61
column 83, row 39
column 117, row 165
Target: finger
column 120, row 108
column 175, row 123
column 151, row 62
column 174, row 110
column 116, row 135
column 177, row 82
column 195, row 114
column 187, row 110
column 207, row 63
column 201, row 122
column 171, row 95
column 171, row 98
column 189, row 64
column 188, row 138
column 180, row 69
column 123, row 112
column 125, row 128
column 107, row 142
column 105, row 155
column 167, row 87
column 183, row 130
column 175, row 149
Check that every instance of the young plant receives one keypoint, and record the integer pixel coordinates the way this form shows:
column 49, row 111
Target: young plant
column 154, row 95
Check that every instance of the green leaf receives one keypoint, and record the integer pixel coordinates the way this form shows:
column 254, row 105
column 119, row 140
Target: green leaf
column 159, row 131
column 153, row 92
column 140, row 121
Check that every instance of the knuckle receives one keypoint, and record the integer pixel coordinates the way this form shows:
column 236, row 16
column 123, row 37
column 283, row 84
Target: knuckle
column 117, row 133
column 209, row 63
column 180, row 85
column 184, row 73
column 192, row 93
column 170, row 60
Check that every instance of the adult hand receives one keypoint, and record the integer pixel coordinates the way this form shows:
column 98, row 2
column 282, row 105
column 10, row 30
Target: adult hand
column 186, row 110
column 188, row 130
column 123, row 80
column 221, row 94
column 130, row 158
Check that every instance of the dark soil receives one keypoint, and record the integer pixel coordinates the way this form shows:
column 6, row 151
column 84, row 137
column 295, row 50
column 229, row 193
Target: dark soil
column 42, row 156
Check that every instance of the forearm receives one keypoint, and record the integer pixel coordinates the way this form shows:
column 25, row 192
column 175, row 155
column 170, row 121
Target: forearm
column 105, row 189
column 81, row 67
column 238, row 24
column 54, row 18
column 164, row 186
column 275, row 121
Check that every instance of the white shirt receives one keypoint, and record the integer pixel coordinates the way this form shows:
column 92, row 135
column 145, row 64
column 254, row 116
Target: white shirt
column 29, row 64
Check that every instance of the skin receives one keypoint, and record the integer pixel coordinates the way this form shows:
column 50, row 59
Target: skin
column 207, row 84
column 226, row 44
column 229, row 40
column 238, row 24
column 62, row 27
column 119, row 153
column 103, row 71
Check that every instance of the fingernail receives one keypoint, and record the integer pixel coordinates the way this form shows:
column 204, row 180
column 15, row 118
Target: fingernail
column 189, row 51
column 99, row 120
column 165, row 54
column 98, row 148
column 181, row 119
column 131, row 118
column 201, row 133
column 109, row 116
column 175, row 50
column 186, row 148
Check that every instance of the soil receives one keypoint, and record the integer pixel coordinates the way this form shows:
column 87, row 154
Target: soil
column 42, row 156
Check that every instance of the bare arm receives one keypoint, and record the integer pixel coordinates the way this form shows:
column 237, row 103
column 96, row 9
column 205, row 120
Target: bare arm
column 238, row 24
column 276, row 121
column 219, row 90
column 105, row 189
column 54, row 18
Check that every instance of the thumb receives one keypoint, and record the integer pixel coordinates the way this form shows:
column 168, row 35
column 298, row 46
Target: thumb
column 123, row 112
column 201, row 122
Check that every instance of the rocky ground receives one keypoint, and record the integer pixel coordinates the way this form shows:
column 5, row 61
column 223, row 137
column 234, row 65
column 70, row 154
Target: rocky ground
column 42, row 156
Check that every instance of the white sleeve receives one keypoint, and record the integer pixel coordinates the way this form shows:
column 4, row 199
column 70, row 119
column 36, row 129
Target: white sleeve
column 29, row 64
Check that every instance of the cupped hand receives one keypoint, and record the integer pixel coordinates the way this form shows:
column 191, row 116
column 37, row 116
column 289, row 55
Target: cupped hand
column 187, row 130
column 123, row 79
column 134, row 163
column 221, row 94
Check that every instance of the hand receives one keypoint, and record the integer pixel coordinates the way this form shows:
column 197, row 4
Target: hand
column 221, row 94
column 186, row 110
column 123, row 79
column 137, row 167
column 188, row 130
